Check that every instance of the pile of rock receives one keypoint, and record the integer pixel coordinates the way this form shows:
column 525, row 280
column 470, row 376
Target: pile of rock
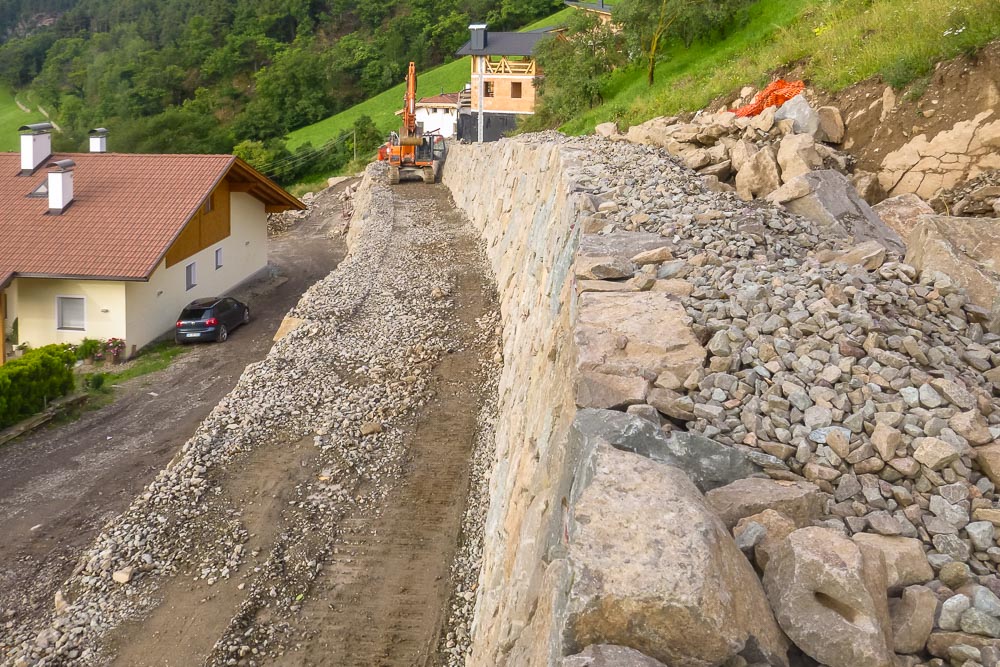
column 755, row 155
column 279, row 223
column 859, row 387
column 977, row 197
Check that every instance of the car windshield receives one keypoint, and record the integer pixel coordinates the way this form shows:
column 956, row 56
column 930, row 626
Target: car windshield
column 194, row 313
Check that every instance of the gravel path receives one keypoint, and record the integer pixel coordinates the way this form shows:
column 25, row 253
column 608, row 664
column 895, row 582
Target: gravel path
column 313, row 517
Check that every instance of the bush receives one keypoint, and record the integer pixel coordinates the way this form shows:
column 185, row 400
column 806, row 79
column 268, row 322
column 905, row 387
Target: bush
column 29, row 382
column 88, row 348
column 95, row 381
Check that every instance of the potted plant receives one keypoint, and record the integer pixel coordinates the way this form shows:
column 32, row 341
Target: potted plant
column 116, row 348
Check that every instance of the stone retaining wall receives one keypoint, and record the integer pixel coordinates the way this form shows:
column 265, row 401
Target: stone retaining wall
column 525, row 203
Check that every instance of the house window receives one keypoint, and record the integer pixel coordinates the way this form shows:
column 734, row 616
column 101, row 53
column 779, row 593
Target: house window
column 515, row 90
column 209, row 204
column 70, row 313
column 488, row 89
column 189, row 276
column 218, row 258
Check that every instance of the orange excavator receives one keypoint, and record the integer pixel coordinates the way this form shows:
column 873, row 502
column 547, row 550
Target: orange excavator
column 411, row 152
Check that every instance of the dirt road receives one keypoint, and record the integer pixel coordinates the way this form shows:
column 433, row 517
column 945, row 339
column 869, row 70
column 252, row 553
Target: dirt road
column 314, row 516
column 381, row 584
column 59, row 485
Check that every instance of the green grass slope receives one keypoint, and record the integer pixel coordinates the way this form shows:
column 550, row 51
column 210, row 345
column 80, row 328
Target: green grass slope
column 382, row 108
column 11, row 118
column 837, row 42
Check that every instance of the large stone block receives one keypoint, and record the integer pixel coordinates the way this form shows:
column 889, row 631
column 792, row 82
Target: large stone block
column 902, row 212
column 827, row 597
column 759, row 175
column 608, row 655
column 599, row 390
column 967, row 250
column 644, row 333
column 913, row 619
column 656, row 571
column 797, row 155
column 799, row 501
column 834, row 205
column 905, row 560
column 707, row 463
column 804, row 118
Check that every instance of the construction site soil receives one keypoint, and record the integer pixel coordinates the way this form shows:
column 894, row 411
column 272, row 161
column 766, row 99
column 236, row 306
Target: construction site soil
column 59, row 485
column 360, row 576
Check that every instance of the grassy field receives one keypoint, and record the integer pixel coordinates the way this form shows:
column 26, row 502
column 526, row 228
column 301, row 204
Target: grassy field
column 839, row 42
column 11, row 118
column 382, row 108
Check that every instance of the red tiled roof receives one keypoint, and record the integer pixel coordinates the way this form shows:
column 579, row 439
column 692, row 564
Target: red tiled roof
column 126, row 211
column 449, row 99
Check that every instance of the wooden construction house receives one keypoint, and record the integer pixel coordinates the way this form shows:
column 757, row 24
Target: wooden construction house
column 503, row 71
column 600, row 9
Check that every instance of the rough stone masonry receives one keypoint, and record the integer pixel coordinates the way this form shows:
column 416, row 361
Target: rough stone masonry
column 780, row 444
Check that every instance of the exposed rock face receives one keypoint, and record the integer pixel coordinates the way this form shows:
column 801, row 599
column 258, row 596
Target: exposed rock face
column 926, row 167
column 825, row 600
column 967, row 250
column 835, row 206
column 902, row 212
column 682, row 574
column 799, row 501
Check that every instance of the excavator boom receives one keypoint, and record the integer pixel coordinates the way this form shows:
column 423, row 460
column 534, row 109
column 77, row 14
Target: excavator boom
column 412, row 151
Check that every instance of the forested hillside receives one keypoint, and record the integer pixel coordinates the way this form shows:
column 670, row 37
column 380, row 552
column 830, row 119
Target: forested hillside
column 205, row 75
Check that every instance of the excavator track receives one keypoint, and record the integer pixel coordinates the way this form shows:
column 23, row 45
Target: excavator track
column 394, row 175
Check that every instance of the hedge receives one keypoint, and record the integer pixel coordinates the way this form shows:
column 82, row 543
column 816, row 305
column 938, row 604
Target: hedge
column 29, row 382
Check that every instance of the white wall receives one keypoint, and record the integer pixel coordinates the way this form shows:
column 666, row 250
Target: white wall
column 153, row 306
column 34, row 306
column 441, row 121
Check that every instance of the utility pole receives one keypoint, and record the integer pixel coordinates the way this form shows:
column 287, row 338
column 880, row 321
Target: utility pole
column 482, row 91
column 355, row 145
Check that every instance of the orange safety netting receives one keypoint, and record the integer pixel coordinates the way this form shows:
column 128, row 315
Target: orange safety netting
column 776, row 94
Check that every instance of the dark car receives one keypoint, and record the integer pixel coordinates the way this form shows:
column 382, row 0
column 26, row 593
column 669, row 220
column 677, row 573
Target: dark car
column 210, row 319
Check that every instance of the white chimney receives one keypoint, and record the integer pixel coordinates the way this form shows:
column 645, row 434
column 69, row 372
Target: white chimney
column 60, row 185
column 36, row 145
column 98, row 140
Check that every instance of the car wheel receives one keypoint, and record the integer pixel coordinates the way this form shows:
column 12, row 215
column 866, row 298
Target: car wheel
column 223, row 333
column 246, row 315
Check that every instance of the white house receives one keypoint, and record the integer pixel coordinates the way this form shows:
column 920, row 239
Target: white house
column 439, row 114
column 101, row 245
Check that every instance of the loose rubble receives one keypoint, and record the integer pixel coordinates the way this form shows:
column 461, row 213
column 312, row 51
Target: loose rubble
column 862, row 386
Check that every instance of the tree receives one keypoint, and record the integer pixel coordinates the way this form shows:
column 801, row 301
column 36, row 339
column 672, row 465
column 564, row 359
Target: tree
column 576, row 65
column 647, row 24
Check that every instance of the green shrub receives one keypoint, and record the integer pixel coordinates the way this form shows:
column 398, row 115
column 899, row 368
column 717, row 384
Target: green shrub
column 29, row 382
column 95, row 381
column 88, row 348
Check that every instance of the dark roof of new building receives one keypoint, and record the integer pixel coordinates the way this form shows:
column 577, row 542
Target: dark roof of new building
column 507, row 43
column 602, row 7
column 126, row 212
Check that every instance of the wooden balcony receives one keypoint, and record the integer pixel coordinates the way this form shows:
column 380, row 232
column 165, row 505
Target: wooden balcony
column 507, row 66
